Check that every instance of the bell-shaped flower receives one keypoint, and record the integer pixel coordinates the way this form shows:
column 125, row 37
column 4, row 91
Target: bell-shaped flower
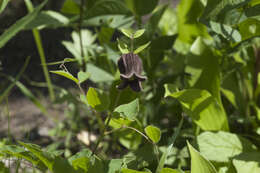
column 131, row 67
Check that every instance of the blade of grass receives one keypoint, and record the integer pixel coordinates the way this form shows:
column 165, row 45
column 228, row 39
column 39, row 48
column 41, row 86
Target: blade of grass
column 38, row 41
column 8, row 89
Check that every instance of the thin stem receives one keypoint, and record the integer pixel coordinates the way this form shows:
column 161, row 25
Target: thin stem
column 80, row 34
column 9, row 119
column 38, row 41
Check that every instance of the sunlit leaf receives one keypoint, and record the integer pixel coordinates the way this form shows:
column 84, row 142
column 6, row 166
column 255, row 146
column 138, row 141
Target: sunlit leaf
column 141, row 48
column 83, row 76
column 199, row 163
column 154, row 133
column 98, row 99
column 129, row 111
column 66, row 75
column 139, row 33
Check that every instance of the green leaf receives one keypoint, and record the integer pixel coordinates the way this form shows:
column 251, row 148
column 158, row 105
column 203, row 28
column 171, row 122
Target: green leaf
column 106, row 7
column 98, row 99
column 154, row 133
column 249, row 28
column 139, row 33
column 98, row 75
column 188, row 26
column 115, row 165
column 163, row 159
column 3, row 4
column 129, row 111
column 50, row 19
column 81, row 160
column 168, row 22
column 128, row 32
column 83, row 76
column 66, row 75
column 203, row 108
column 36, row 150
column 70, row 7
column 227, row 145
column 141, row 7
column 19, row 25
column 226, row 31
column 199, row 163
column 125, row 170
column 142, row 47
column 247, row 162
column 122, row 47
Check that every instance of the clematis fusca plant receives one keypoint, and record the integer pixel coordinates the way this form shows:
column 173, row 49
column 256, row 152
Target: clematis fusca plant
column 130, row 64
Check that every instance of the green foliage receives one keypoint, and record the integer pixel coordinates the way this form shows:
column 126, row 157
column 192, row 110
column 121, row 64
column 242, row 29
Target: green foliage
column 204, row 55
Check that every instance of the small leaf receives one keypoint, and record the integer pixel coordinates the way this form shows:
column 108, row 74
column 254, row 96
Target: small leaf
column 139, row 49
column 97, row 99
column 122, row 47
column 128, row 32
column 153, row 133
column 139, row 33
column 66, row 75
column 128, row 111
column 70, row 7
column 199, row 163
column 83, row 76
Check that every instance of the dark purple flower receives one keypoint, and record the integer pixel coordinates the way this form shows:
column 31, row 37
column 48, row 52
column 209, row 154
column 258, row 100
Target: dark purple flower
column 131, row 67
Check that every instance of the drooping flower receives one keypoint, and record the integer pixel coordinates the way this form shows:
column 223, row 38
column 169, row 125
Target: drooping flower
column 131, row 67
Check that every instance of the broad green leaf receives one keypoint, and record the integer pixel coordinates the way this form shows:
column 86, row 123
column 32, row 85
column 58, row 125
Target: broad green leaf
column 139, row 33
column 203, row 65
column 141, row 7
column 70, row 7
column 217, row 9
column 98, row 99
column 154, row 133
column 128, row 111
column 142, row 47
column 168, row 22
column 227, row 145
column 106, row 7
column 226, row 31
column 98, row 75
column 249, row 28
column 66, row 75
column 163, row 159
column 169, row 170
column 128, row 32
column 247, row 162
column 188, row 26
column 199, row 163
column 50, row 19
column 20, row 24
column 115, row 165
column 83, row 76
column 3, row 4
column 203, row 108
column 125, row 170
column 81, row 160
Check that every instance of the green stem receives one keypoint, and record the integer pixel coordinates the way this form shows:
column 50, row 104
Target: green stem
column 80, row 35
column 38, row 41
